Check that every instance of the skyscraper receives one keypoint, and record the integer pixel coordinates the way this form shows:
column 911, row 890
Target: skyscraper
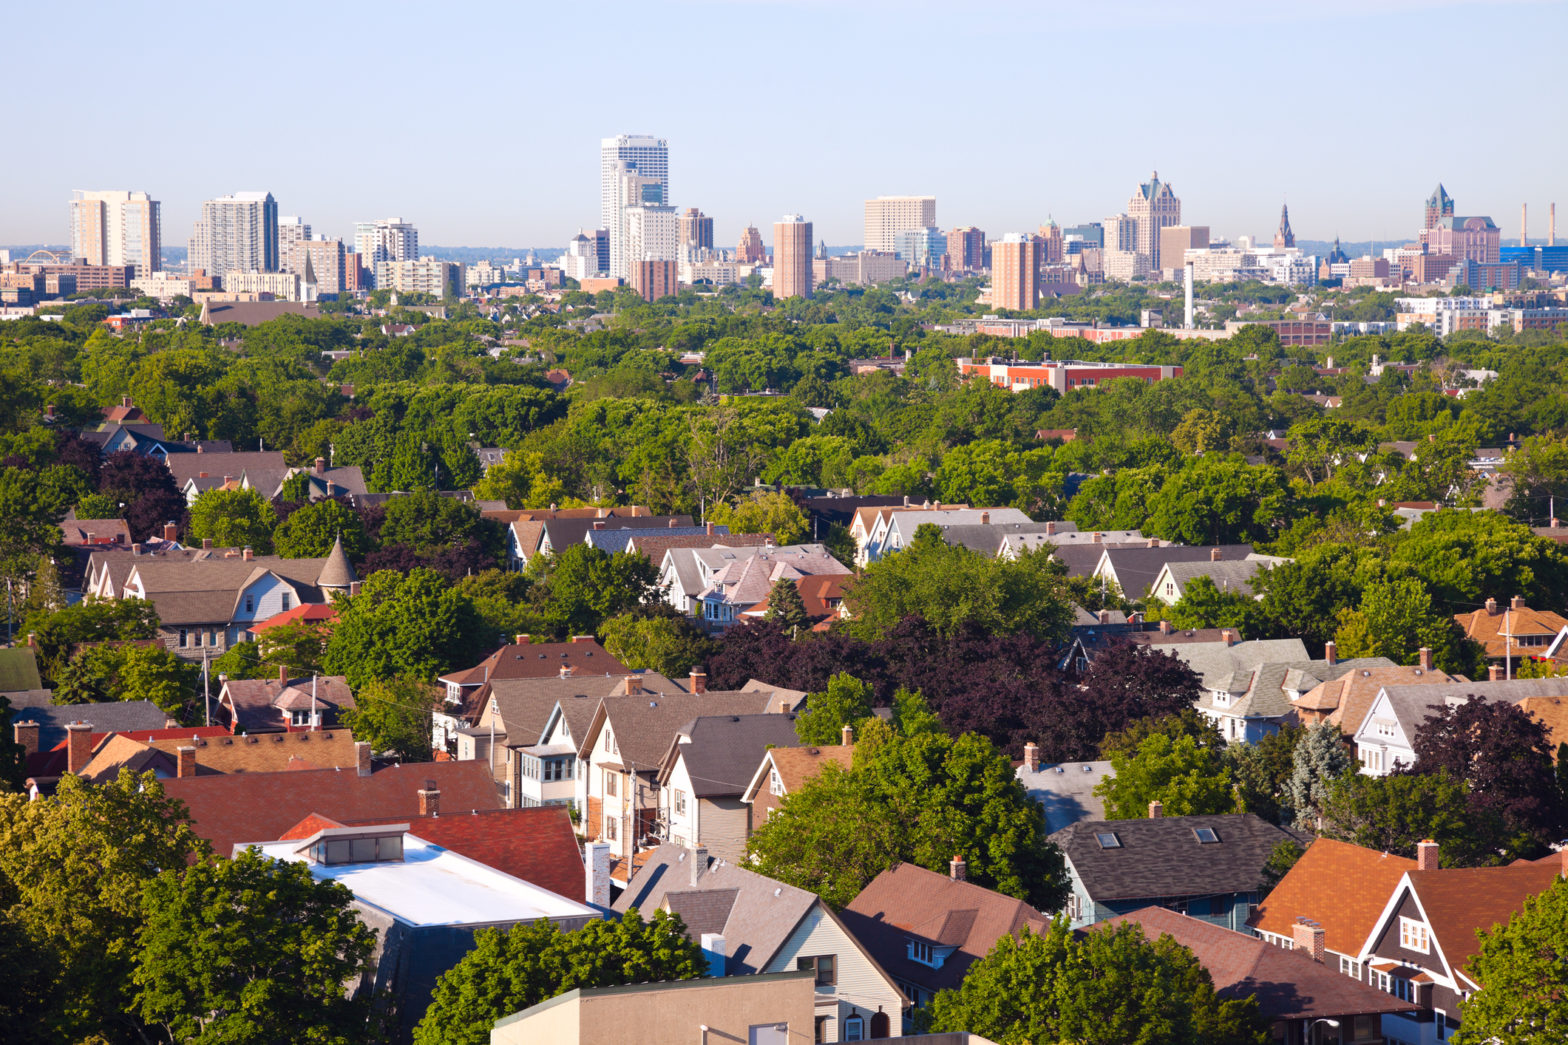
column 629, row 154
column 651, row 234
column 1015, row 273
column 749, row 251
column 291, row 232
column 1154, row 206
column 791, row 257
column 117, row 228
column 1439, row 205
column 696, row 229
column 887, row 216
column 236, row 233
column 966, row 249
column 388, row 239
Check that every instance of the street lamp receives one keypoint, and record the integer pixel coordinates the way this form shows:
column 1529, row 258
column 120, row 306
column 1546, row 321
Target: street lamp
column 1327, row 1022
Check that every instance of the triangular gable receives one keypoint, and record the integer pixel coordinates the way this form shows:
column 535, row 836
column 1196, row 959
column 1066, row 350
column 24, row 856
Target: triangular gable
column 1387, row 922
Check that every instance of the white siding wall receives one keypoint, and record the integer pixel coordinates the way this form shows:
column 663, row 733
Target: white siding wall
column 684, row 829
column 860, row 988
column 267, row 592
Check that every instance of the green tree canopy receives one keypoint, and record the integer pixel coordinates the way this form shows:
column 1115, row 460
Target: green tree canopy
column 1110, row 986
column 1187, row 778
column 771, row 513
column 412, row 624
column 580, row 587
column 785, row 607
column 308, row 532
column 234, row 519
column 921, row 799
column 846, row 702
column 1392, row 813
column 512, row 969
column 1396, row 619
column 393, row 714
column 647, row 639
column 130, row 671
column 91, row 620
column 1523, row 971
column 250, row 950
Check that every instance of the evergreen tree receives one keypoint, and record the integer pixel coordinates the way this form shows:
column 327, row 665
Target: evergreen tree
column 785, row 607
column 1320, row 758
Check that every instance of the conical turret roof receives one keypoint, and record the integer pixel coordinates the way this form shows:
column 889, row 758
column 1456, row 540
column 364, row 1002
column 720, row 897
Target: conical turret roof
column 337, row 571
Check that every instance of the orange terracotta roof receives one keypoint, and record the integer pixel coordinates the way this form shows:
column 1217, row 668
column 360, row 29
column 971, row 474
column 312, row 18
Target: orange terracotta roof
column 309, row 612
column 1340, row 886
column 1348, row 698
column 269, row 752
column 796, row 765
column 1488, row 626
column 1552, row 712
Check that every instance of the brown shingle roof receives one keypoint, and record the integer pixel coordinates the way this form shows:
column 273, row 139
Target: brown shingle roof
column 259, row 807
column 1460, row 900
column 1340, row 886
column 1348, row 698
column 1288, row 985
column 268, row 752
column 1551, row 712
column 540, row 660
column 796, row 765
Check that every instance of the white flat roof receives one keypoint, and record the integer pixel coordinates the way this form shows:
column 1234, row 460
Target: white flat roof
column 435, row 886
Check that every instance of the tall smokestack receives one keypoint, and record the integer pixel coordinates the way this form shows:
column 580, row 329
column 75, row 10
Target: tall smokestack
column 1188, row 324
column 1551, row 225
column 1524, row 224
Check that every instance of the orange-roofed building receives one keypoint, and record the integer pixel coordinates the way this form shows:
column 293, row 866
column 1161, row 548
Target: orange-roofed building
column 305, row 613
column 1338, row 887
column 786, row 769
column 1345, row 701
column 1515, row 631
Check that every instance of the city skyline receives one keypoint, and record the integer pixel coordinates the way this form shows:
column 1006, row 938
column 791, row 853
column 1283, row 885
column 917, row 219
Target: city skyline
column 1332, row 152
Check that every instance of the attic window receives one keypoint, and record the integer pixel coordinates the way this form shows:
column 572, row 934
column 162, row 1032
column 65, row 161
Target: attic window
column 1205, row 834
column 1108, row 840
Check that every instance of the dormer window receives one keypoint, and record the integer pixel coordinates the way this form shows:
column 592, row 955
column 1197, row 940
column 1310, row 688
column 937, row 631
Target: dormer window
column 922, row 952
column 1413, row 935
column 1221, row 699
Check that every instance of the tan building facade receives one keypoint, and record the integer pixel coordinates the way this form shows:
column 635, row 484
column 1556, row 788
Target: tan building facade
column 1176, row 240
column 1015, row 273
column 966, row 249
column 696, row 229
column 655, row 279
column 749, row 251
column 887, row 216
column 1154, row 207
column 791, row 258
column 117, row 228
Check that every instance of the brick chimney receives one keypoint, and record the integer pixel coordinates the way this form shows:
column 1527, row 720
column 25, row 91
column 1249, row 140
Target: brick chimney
column 26, row 734
column 321, row 466
column 1329, row 652
column 699, row 682
column 1214, row 555
column 1032, row 757
column 522, row 638
column 709, row 528
column 1494, row 673
column 985, row 518
column 1152, row 542
column 671, row 523
column 629, row 685
column 1424, row 658
column 362, row 757
column 846, row 736
column 958, row 869
column 1105, row 616
column 1165, row 627
column 1097, row 537
column 1516, row 603
column 1156, row 809
column 206, row 544
column 283, row 674
column 430, row 799
column 1427, row 852
column 247, row 554
column 79, row 746
column 582, row 638
column 598, row 524
column 1491, row 607
column 1228, row 637
column 1308, row 937
column 32, row 639
column 186, row 761
column 1050, row 529
column 171, row 532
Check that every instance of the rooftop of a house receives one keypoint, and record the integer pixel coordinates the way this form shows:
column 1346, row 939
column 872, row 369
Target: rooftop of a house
column 1340, row 886
column 1288, row 985
column 644, row 725
column 83, row 532
column 820, row 593
column 1228, row 575
column 747, row 580
column 1135, row 569
column 525, row 659
column 429, row 885
column 1461, row 900
column 19, row 670
column 525, row 705
column 236, row 464
column 721, row 752
column 1065, row 790
column 1412, row 704
column 654, row 544
column 796, row 765
column 1218, row 661
column 1166, row 856
column 1346, row 699
column 1499, row 627
column 536, row 845
column 304, row 613
column 612, row 540
column 260, row 704
column 1264, row 690
column 267, row 752
column 909, row 902
column 115, row 716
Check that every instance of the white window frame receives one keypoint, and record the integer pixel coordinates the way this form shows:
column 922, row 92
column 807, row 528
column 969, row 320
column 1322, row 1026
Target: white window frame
column 1414, row 935
column 680, row 803
column 775, row 782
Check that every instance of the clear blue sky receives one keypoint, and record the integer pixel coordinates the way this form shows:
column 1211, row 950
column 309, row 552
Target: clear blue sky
column 480, row 122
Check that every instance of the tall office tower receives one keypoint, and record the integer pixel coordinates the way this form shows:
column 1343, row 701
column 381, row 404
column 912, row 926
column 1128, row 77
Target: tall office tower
column 291, row 232
column 389, row 239
column 1121, row 233
column 638, row 154
column 1015, row 273
column 655, row 279
column 635, row 191
column 887, row 216
column 601, row 247
column 1284, row 237
column 791, row 257
column 1439, row 205
column 966, row 249
column 237, row 233
column 749, row 251
column 696, row 229
column 1051, row 243
column 651, row 234
column 1154, row 206
column 117, row 228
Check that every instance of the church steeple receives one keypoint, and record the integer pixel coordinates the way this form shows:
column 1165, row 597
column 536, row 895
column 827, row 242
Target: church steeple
column 1284, row 237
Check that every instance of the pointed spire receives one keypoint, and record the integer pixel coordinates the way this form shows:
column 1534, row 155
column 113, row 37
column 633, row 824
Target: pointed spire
column 337, row 572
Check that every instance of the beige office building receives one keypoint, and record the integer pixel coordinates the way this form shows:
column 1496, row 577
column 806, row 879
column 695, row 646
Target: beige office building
column 282, row 286
column 750, row 251
column 791, row 258
column 326, row 258
column 887, row 216
column 117, row 228
column 696, row 229
column 443, row 279
column 1015, row 273
column 1154, row 207
column 1177, row 240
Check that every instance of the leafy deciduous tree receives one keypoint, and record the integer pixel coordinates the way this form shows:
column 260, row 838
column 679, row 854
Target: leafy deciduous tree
column 1523, row 971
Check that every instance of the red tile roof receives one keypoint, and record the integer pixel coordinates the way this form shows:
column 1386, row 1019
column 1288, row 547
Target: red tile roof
column 1340, row 886
column 259, row 807
column 536, row 845
column 308, row 612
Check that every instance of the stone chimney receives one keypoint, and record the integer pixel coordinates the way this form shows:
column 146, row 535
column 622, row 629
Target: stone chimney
column 430, row 799
column 957, row 869
column 1427, row 853
column 26, row 734
column 846, row 736
column 1165, row 627
column 78, row 747
column 1156, row 809
column 1032, row 757
column 1494, row 673
column 1214, row 555
column 321, row 466
column 1491, row 607
column 186, row 761
column 596, row 874
column 362, row 757
column 171, row 532
column 699, row 864
column 698, row 681
column 1329, row 652
column 1424, row 658
column 1308, row 936
column 1228, row 637
column 1516, row 603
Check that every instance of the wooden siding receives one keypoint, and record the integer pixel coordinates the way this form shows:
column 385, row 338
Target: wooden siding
column 861, row 988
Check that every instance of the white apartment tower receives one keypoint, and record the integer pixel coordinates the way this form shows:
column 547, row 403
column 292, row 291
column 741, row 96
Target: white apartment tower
column 648, row 160
column 887, row 216
column 389, row 239
column 652, row 233
column 237, row 233
column 291, row 233
column 117, row 228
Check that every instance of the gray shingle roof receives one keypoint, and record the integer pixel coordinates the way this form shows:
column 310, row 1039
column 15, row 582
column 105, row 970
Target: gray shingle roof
column 1066, row 790
column 185, row 467
column 723, row 751
column 1216, row 662
column 525, row 705
column 1161, row 857
column 616, row 540
column 113, row 717
column 1412, row 704
column 645, row 725
column 1136, row 568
